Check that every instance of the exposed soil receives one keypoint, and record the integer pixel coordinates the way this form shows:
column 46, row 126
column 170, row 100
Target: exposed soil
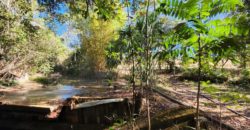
column 186, row 93
column 179, row 90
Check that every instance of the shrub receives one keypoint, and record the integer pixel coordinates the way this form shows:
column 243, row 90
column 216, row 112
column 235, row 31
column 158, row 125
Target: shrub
column 43, row 80
column 244, row 81
column 8, row 83
column 208, row 75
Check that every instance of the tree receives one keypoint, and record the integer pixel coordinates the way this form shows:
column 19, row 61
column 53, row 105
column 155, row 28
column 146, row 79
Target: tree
column 80, row 8
column 95, row 34
column 198, row 14
column 26, row 43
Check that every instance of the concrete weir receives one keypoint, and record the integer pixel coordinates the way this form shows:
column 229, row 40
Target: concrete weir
column 87, row 115
column 47, row 110
column 57, row 108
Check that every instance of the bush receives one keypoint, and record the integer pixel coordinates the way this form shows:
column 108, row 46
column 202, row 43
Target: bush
column 44, row 80
column 8, row 83
column 243, row 81
column 207, row 75
column 246, row 73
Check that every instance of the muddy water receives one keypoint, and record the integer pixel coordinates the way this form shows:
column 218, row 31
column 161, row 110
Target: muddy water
column 52, row 95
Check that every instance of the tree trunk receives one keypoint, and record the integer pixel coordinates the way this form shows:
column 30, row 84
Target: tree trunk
column 199, row 85
column 147, row 66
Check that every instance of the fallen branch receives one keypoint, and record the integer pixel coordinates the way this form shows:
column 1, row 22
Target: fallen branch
column 164, row 93
column 165, row 119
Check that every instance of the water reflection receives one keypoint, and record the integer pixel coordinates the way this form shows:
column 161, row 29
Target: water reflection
column 43, row 96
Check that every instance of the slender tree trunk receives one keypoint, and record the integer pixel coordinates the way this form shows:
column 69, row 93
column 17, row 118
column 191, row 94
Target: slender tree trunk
column 174, row 66
column 133, row 79
column 244, row 56
column 159, row 65
column 199, row 85
column 141, row 78
column 130, row 39
column 147, row 67
column 220, row 111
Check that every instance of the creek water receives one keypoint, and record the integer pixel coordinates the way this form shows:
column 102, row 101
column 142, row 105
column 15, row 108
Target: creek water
column 43, row 96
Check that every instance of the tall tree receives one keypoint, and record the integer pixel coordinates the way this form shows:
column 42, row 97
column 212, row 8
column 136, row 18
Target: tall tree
column 95, row 34
column 26, row 44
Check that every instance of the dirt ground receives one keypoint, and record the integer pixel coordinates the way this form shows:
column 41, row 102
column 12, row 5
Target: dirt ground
column 186, row 93
column 179, row 90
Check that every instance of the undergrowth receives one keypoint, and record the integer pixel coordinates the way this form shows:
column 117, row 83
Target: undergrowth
column 206, row 75
column 8, row 83
column 243, row 82
column 44, row 80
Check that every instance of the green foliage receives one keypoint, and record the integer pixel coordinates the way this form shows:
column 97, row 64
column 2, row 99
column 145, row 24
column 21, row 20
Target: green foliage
column 113, row 59
column 114, row 54
column 246, row 73
column 233, row 97
column 95, row 37
column 26, row 44
column 8, row 83
column 95, row 52
column 243, row 82
column 208, row 88
column 73, row 64
column 229, row 97
column 80, row 8
column 214, row 76
column 224, row 96
column 46, row 80
column 198, row 18
column 50, row 51
column 119, row 122
column 43, row 80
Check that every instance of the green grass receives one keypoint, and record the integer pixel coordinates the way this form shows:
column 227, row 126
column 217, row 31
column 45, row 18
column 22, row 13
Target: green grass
column 43, row 80
column 225, row 93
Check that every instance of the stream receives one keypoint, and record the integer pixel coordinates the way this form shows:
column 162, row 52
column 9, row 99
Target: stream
column 43, row 96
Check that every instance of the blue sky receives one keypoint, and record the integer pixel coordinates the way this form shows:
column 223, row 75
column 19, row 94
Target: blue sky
column 62, row 30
